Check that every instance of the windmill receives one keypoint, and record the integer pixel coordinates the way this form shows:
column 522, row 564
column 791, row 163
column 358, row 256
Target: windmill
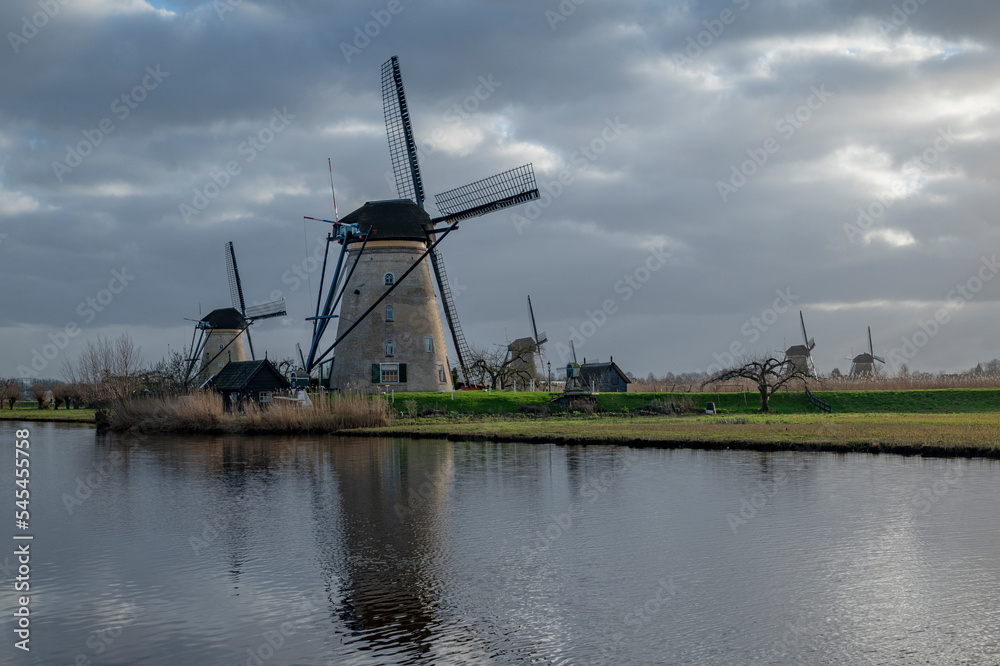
column 218, row 337
column 863, row 365
column 800, row 356
column 385, row 242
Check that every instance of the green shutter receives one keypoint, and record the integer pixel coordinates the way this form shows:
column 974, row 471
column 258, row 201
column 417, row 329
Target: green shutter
column 376, row 373
column 402, row 373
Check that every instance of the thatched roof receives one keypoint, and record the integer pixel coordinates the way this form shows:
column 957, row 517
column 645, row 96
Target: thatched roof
column 397, row 219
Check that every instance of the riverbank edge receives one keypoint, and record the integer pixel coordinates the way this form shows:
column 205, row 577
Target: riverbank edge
column 984, row 450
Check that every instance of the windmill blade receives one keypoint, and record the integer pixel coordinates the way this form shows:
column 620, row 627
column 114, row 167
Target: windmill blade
column 878, row 358
column 871, row 350
column 249, row 341
column 267, row 310
column 539, row 339
column 572, row 348
column 235, row 286
column 402, row 147
column 302, row 358
column 805, row 336
column 454, row 325
column 508, row 188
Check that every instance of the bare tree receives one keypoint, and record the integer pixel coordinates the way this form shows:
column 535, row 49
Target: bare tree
column 39, row 392
column 167, row 374
column 497, row 366
column 767, row 372
column 11, row 391
column 60, row 395
column 111, row 369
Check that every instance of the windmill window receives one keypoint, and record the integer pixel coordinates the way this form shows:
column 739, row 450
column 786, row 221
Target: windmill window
column 428, row 343
column 389, row 373
column 389, row 316
column 222, row 346
column 441, row 373
column 221, row 363
column 390, row 278
column 390, row 348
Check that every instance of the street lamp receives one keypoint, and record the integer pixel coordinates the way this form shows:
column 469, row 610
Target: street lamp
column 549, row 364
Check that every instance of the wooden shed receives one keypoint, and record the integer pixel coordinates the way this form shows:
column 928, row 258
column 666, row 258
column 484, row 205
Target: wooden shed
column 241, row 381
column 604, row 377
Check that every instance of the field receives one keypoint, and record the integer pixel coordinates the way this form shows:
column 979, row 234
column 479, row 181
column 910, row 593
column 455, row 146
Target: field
column 946, row 422
column 907, row 434
column 934, row 401
column 28, row 411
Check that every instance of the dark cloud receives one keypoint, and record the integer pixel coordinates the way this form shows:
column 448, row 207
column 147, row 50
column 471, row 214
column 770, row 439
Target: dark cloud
column 688, row 115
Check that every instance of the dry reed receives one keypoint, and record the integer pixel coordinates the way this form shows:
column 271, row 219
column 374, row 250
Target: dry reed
column 204, row 413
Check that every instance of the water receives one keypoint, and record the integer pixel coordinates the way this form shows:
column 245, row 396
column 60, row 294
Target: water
column 317, row 550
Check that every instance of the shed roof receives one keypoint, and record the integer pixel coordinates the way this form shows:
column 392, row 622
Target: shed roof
column 594, row 371
column 237, row 374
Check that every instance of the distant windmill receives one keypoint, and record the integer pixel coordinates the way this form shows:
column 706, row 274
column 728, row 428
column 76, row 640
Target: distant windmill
column 801, row 355
column 218, row 337
column 863, row 365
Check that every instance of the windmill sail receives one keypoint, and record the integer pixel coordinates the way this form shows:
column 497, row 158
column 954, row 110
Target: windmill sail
column 457, row 336
column 267, row 310
column 402, row 147
column 810, row 344
column 507, row 188
column 539, row 339
column 236, row 289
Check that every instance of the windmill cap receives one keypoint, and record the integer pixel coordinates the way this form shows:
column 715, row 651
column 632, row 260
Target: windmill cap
column 226, row 318
column 396, row 219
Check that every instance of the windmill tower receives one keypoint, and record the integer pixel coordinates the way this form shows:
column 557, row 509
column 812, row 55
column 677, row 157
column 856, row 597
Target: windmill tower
column 800, row 356
column 863, row 365
column 388, row 330
column 218, row 337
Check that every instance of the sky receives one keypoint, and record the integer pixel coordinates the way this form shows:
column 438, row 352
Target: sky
column 708, row 170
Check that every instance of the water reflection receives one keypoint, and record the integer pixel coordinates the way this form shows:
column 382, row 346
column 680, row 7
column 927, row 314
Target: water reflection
column 324, row 550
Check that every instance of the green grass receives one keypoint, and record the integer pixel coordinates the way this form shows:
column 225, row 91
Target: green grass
column 908, row 434
column 29, row 412
column 935, row 401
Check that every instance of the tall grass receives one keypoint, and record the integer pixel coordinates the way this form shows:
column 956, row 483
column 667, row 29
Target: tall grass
column 203, row 412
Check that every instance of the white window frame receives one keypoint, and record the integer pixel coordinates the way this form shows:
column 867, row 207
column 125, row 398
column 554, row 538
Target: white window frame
column 389, row 348
column 428, row 344
column 441, row 374
column 387, row 371
column 390, row 313
column 265, row 396
column 389, row 279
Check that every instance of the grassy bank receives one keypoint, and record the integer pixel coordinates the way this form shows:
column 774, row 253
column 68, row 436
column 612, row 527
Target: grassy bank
column 32, row 413
column 935, row 401
column 907, row 434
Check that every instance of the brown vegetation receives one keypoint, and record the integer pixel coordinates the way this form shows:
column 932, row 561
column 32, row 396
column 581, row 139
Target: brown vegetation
column 203, row 412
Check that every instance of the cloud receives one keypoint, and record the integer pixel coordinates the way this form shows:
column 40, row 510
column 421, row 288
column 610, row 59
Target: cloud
column 553, row 91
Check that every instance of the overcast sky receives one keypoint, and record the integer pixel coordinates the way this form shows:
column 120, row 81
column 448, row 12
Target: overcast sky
column 716, row 155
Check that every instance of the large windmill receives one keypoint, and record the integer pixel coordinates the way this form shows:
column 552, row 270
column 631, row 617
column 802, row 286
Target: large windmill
column 381, row 267
column 800, row 356
column 863, row 365
column 218, row 337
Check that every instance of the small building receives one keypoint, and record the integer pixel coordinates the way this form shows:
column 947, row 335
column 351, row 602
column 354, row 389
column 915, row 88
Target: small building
column 242, row 381
column 604, row 377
